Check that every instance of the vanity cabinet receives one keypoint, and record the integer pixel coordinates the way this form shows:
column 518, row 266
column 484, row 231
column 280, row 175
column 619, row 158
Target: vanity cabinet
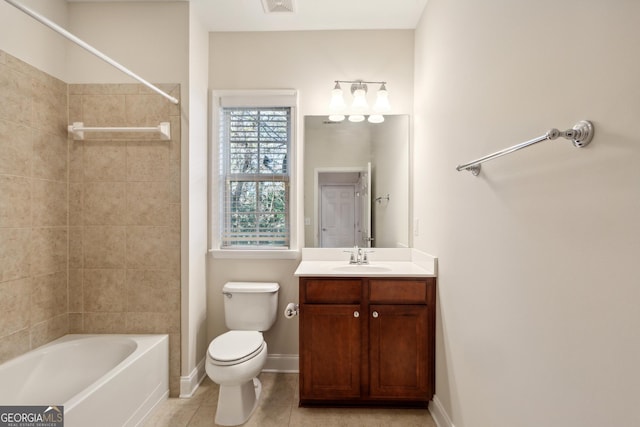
column 367, row 340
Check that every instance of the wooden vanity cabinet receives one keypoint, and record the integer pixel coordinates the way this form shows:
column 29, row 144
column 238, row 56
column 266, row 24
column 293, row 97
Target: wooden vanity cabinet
column 366, row 341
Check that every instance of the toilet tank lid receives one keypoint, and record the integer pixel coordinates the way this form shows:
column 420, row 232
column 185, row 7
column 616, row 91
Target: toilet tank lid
column 253, row 287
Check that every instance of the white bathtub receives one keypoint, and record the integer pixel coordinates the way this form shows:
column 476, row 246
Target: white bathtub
column 101, row 380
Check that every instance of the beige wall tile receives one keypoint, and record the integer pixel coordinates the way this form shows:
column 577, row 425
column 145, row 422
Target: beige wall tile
column 49, row 203
column 16, row 148
column 103, row 110
column 16, row 99
column 76, row 192
column 104, row 323
column 14, row 306
column 76, row 160
column 148, row 161
column 109, row 89
column 15, row 251
column 15, row 209
column 152, row 248
column 153, row 323
column 146, row 110
column 48, row 296
column 174, row 219
column 50, row 156
column 153, row 290
column 14, row 345
column 49, row 104
column 104, row 290
column 148, row 203
column 104, row 247
column 48, row 250
column 49, row 330
column 174, row 364
column 104, row 203
column 76, row 294
column 104, row 161
column 76, row 323
column 75, row 106
column 76, row 257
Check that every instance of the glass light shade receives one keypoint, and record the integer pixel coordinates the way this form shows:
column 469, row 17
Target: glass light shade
column 337, row 104
column 355, row 118
column 336, row 117
column 382, row 101
column 376, row 118
column 359, row 100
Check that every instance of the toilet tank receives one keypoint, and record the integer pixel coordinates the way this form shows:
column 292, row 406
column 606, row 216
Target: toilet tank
column 250, row 306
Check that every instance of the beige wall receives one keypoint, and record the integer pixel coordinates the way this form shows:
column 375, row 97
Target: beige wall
column 308, row 61
column 538, row 288
column 33, row 207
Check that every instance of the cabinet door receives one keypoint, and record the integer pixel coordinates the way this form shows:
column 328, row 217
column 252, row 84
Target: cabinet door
column 330, row 359
column 398, row 352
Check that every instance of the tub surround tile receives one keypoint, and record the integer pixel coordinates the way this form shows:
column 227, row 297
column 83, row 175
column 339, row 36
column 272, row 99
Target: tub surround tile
column 48, row 296
column 104, row 161
column 76, row 258
column 15, row 344
column 16, row 95
column 148, row 203
column 48, row 250
column 15, row 193
column 104, row 203
column 76, row 293
column 76, row 324
column 104, row 323
column 146, row 110
column 76, row 202
column 15, row 253
column 148, row 161
column 49, row 203
column 152, row 291
column 152, row 323
column 76, row 160
column 49, row 104
column 152, row 248
column 16, row 146
column 50, row 156
column 103, row 247
column 103, row 290
column 49, row 330
column 15, row 306
column 103, row 110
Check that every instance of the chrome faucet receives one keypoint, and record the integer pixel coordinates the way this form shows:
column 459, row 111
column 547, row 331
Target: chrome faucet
column 358, row 256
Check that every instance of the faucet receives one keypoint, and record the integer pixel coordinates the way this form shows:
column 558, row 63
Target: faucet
column 358, row 256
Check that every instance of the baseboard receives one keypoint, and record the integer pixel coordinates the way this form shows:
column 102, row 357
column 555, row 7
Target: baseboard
column 438, row 413
column 288, row 363
column 190, row 383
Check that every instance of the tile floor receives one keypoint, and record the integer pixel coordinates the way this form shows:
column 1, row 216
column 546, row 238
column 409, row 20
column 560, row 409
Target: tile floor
column 279, row 407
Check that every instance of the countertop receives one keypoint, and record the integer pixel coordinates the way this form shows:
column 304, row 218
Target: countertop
column 386, row 262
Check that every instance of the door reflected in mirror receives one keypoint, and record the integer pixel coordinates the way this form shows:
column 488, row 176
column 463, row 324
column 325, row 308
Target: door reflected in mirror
column 356, row 182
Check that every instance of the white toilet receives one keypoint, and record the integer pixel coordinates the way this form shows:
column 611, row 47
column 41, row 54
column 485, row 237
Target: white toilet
column 235, row 358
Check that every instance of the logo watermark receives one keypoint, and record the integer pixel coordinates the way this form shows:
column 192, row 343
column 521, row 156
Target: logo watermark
column 31, row 416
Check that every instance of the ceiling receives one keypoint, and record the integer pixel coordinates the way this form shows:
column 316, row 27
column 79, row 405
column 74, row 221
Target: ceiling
column 249, row 15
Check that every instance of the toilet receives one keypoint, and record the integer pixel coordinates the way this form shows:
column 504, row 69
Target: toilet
column 235, row 358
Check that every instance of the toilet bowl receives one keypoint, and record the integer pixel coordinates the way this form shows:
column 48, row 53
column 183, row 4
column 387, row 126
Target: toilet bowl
column 235, row 358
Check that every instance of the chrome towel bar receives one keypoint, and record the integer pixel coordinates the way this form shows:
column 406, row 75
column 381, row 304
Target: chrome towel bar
column 581, row 135
column 77, row 129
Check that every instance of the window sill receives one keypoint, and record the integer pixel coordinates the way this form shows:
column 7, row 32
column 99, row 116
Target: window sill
column 254, row 254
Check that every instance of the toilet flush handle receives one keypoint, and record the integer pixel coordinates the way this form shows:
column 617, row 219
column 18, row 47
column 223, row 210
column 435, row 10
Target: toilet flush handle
column 228, row 294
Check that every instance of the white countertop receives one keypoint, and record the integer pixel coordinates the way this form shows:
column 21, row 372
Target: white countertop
column 385, row 262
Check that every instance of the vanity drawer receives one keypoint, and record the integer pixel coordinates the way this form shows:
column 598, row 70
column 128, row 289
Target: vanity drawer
column 341, row 291
column 400, row 291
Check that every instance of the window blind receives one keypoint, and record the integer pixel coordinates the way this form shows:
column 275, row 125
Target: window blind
column 255, row 145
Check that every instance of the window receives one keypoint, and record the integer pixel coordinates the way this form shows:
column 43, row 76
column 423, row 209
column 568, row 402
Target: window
column 255, row 152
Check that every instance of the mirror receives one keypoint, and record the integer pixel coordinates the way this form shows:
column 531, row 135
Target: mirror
column 356, row 182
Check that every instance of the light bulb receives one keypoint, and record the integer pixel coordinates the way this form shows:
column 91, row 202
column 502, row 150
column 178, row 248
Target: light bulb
column 336, row 117
column 355, row 118
column 376, row 118
column 359, row 101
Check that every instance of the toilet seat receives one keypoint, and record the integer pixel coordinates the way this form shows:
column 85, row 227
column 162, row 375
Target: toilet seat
column 235, row 347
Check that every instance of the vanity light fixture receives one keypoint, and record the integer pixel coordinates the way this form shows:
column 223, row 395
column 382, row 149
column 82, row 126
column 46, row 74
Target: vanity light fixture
column 359, row 106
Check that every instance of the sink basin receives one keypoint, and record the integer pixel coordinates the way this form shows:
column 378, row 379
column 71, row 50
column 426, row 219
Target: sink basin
column 363, row 268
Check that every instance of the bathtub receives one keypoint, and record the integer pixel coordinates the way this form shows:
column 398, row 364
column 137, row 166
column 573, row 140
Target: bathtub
column 101, row 380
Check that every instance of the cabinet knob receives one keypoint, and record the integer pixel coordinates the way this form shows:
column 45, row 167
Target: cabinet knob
column 356, row 314
column 375, row 314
